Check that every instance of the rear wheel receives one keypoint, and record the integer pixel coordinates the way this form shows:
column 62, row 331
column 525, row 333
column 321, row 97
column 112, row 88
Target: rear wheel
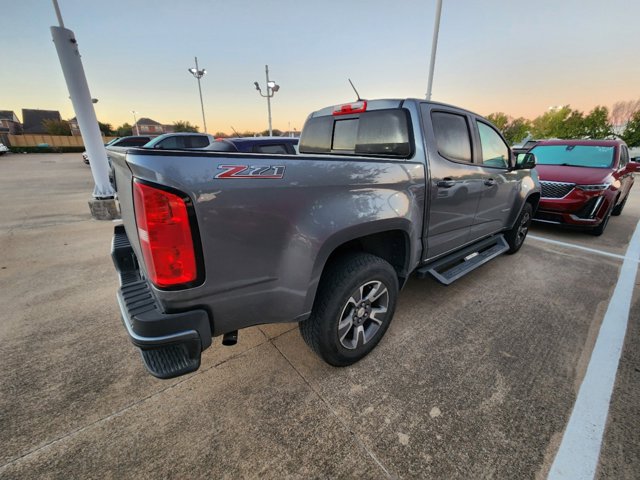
column 354, row 306
column 515, row 237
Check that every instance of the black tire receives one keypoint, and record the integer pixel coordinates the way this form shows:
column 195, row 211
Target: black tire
column 617, row 210
column 336, row 304
column 515, row 237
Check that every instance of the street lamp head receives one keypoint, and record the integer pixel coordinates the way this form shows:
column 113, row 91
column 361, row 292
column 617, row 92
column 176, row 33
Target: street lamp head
column 257, row 86
column 197, row 73
column 275, row 88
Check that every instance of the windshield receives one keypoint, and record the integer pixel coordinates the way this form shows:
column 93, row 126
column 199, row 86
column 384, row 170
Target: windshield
column 574, row 155
column 111, row 141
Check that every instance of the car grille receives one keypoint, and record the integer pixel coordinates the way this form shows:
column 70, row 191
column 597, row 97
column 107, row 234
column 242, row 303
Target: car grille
column 556, row 189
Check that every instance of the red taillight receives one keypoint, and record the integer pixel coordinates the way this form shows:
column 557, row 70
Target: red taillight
column 165, row 236
column 349, row 108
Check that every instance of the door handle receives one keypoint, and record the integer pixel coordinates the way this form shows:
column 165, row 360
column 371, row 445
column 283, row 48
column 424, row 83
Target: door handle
column 489, row 182
column 446, row 183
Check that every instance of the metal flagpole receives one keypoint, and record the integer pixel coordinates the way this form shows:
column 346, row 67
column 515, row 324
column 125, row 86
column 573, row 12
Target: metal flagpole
column 434, row 46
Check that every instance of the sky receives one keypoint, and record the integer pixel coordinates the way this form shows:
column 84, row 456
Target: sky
column 518, row 57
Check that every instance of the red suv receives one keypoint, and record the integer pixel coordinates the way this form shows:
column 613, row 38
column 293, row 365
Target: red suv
column 583, row 182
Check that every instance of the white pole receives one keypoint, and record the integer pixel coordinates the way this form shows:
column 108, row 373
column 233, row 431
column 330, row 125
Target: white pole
column 69, row 55
column 199, row 76
column 434, row 46
column 58, row 14
column 135, row 122
column 269, row 95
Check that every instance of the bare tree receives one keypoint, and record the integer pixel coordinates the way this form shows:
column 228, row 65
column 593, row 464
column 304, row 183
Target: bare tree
column 621, row 112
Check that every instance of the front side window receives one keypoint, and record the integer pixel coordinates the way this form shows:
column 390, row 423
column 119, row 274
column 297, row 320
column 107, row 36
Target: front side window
column 452, row 136
column 495, row 153
column 593, row 156
column 624, row 156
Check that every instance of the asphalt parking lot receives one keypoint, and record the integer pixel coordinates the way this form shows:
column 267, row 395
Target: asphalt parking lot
column 474, row 380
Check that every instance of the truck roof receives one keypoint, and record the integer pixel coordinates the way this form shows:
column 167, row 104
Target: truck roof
column 386, row 103
column 583, row 142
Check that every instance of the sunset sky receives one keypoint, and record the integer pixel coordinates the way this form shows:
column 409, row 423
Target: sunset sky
column 519, row 57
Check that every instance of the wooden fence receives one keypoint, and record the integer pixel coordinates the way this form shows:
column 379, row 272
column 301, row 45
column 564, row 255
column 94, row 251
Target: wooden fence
column 31, row 140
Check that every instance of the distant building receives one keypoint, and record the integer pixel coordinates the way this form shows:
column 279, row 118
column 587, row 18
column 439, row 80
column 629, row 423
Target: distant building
column 33, row 120
column 75, row 128
column 9, row 123
column 146, row 126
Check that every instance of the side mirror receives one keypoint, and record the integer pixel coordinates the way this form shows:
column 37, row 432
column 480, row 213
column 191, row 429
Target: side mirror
column 525, row 161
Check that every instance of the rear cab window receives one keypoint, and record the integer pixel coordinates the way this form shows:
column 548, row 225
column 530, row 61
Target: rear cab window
column 371, row 133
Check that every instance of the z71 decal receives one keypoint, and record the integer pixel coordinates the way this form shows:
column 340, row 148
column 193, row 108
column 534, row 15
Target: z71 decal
column 246, row 171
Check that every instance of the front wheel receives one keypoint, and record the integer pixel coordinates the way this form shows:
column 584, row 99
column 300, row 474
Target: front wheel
column 515, row 237
column 617, row 210
column 354, row 306
column 599, row 230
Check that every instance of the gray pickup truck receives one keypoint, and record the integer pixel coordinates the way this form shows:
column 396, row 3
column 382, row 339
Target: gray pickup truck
column 215, row 242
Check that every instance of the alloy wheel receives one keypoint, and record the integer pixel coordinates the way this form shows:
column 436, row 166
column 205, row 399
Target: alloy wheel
column 363, row 314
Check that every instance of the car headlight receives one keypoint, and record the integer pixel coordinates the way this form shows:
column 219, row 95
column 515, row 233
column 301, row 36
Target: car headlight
column 593, row 188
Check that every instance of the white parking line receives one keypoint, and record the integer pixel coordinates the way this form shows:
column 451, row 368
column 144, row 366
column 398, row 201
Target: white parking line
column 580, row 247
column 579, row 451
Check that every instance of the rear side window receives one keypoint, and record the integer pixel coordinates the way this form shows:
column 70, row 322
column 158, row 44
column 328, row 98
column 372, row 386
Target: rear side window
column 198, row 141
column 131, row 142
column 275, row 148
column 452, row 136
column 379, row 132
column 222, row 146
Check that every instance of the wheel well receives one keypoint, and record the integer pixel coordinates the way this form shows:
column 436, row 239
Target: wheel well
column 392, row 246
column 534, row 200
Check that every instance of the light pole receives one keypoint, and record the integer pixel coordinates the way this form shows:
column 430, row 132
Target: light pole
column 135, row 122
column 103, row 204
column 196, row 72
column 434, row 46
column 272, row 88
